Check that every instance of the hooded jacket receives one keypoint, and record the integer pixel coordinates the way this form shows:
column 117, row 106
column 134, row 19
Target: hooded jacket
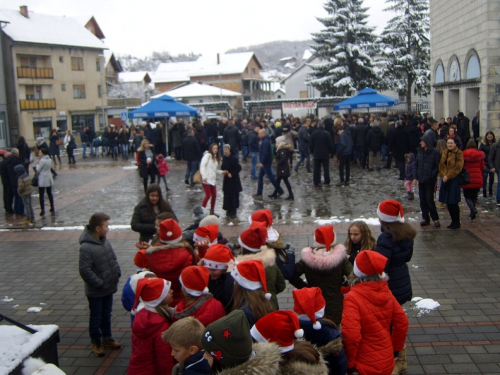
column 264, row 361
column 427, row 162
column 325, row 270
column 98, row 265
column 209, row 168
column 345, row 145
column 370, row 311
column 150, row 354
column 474, row 164
column 410, row 167
column 167, row 262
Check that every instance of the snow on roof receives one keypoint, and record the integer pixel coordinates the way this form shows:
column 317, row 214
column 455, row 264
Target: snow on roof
column 307, row 54
column 129, row 77
column 272, row 75
column 197, row 89
column 175, row 71
column 48, row 29
column 290, row 65
column 288, row 58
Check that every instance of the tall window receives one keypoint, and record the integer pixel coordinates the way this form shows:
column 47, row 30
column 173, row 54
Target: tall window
column 77, row 63
column 79, row 91
column 33, row 92
column 98, row 64
column 473, row 68
column 439, row 77
column 99, row 91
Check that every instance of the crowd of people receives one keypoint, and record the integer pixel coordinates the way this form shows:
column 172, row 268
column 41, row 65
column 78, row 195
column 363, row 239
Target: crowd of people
column 201, row 305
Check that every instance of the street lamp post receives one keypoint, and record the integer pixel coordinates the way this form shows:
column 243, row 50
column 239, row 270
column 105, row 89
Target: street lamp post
column 103, row 67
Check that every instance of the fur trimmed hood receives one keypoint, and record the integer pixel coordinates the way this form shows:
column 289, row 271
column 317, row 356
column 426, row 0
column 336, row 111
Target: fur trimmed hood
column 264, row 362
column 302, row 368
column 321, row 260
column 168, row 246
column 266, row 255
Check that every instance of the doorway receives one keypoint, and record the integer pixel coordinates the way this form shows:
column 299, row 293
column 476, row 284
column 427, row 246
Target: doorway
column 438, row 105
column 453, row 103
column 471, row 101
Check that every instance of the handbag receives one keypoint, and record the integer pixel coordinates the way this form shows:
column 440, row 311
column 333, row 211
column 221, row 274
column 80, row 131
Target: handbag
column 197, row 177
column 463, row 176
column 34, row 180
column 59, row 142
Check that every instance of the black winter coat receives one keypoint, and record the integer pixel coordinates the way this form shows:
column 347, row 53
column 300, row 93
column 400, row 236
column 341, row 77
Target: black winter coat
column 360, row 132
column 415, row 135
column 191, row 149
column 98, row 266
column 397, row 254
column 303, row 139
column 253, row 141
column 144, row 170
column 12, row 161
column 321, row 144
column 282, row 160
column 143, row 220
column 232, row 137
column 400, row 143
column 427, row 162
column 375, row 139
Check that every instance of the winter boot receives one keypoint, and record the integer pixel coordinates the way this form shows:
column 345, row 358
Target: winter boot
column 400, row 367
column 484, row 193
column 290, row 197
column 411, row 196
column 490, row 191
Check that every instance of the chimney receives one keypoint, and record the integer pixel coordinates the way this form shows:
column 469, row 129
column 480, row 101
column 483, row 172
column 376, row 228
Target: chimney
column 218, row 59
column 24, row 11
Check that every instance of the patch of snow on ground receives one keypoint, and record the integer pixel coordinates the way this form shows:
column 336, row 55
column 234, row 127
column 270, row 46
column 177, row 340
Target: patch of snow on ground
column 414, row 266
column 34, row 309
column 7, row 299
column 21, row 344
column 416, row 299
column 427, row 304
column 130, row 167
column 15, row 306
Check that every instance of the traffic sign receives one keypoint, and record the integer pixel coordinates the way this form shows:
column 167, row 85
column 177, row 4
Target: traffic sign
column 123, row 116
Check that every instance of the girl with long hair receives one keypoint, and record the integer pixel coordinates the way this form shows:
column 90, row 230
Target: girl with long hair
column 147, row 163
column 209, row 167
column 450, row 166
column 359, row 237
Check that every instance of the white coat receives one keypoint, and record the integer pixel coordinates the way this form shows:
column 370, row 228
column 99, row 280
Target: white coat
column 209, row 167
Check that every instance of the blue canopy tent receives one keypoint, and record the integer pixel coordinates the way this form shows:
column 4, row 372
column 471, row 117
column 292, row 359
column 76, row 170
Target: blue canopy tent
column 367, row 98
column 164, row 106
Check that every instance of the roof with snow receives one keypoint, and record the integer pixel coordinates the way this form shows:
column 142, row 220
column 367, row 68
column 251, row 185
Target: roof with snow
column 90, row 23
column 197, row 89
column 130, row 77
column 48, row 29
column 229, row 63
column 307, row 54
column 289, row 58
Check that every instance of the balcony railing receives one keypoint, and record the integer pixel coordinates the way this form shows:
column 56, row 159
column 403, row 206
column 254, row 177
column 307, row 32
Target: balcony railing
column 35, row 72
column 37, row 104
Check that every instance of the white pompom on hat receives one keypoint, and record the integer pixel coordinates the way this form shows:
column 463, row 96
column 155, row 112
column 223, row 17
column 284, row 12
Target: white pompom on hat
column 170, row 231
column 391, row 211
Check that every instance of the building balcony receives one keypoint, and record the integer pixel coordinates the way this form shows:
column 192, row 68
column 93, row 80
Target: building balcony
column 35, row 72
column 27, row 105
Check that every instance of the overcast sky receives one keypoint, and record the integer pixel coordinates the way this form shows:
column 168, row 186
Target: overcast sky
column 139, row 27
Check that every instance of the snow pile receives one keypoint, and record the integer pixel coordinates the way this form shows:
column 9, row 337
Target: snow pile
column 21, row 344
column 7, row 299
column 80, row 227
column 424, row 305
column 336, row 220
column 132, row 167
column 34, row 309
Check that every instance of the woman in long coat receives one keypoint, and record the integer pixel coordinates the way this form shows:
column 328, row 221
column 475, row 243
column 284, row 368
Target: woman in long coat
column 452, row 162
column 231, row 185
column 54, row 147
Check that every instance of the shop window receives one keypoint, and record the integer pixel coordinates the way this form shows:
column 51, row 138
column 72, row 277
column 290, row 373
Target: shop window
column 473, row 68
column 77, row 63
column 79, row 91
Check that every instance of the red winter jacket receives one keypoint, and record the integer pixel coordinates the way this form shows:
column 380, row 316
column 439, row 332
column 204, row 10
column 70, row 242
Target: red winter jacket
column 207, row 313
column 167, row 261
column 162, row 167
column 474, row 163
column 369, row 311
column 150, row 354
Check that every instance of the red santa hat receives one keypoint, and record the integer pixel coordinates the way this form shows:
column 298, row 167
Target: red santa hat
column 250, row 274
column 325, row 236
column 281, row 327
column 369, row 263
column 210, row 231
column 391, row 211
column 141, row 260
column 152, row 291
column 170, row 231
column 218, row 257
column 134, row 279
column 309, row 303
column 194, row 279
column 254, row 237
column 264, row 216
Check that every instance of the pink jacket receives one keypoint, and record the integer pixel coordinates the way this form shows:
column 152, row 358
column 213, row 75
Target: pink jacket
column 162, row 167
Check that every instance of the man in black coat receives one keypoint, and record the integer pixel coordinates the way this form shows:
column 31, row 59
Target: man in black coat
column 232, row 137
column 12, row 161
column 399, row 147
column 425, row 173
column 475, row 126
column 387, row 142
column 463, row 128
column 8, row 193
column 374, row 142
column 359, row 138
column 303, row 139
column 322, row 149
column 192, row 155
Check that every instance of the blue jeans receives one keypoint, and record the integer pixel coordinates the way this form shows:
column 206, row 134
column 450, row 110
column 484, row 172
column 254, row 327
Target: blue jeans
column 28, row 207
column 124, row 147
column 245, row 153
column 18, row 202
column 255, row 159
column 84, row 145
column 384, row 152
column 267, row 170
column 100, row 317
column 192, row 167
column 304, row 155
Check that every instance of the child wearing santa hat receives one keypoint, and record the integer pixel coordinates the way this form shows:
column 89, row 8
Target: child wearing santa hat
column 168, row 258
column 198, row 302
column 374, row 325
column 297, row 357
column 253, row 246
column 309, row 305
column 128, row 293
column 325, row 267
column 396, row 244
column 204, row 237
column 150, row 355
column 217, row 260
column 250, row 292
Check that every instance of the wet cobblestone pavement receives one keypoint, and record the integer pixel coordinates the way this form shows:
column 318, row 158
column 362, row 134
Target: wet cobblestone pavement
column 459, row 269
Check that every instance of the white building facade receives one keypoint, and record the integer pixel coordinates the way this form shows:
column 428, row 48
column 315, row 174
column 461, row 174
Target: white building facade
column 465, row 60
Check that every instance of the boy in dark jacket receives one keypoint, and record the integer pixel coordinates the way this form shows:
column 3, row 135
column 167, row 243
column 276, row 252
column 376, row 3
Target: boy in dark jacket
column 100, row 271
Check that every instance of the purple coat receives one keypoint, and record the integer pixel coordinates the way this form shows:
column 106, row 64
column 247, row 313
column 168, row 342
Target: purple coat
column 410, row 167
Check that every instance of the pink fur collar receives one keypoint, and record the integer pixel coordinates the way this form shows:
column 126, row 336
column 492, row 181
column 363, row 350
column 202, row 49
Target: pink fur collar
column 321, row 260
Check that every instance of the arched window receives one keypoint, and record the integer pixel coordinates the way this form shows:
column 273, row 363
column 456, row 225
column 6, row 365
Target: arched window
column 439, row 76
column 454, row 73
column 473, row 68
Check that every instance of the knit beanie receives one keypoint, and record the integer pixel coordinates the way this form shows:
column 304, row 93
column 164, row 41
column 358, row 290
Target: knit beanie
column 194, row 279
column 281, row 327
column 309, row 303
column 210, row 219
column 391, row 211
column 218, row 257
column 228, row 339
